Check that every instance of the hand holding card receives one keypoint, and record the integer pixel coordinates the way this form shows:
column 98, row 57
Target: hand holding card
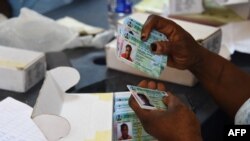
column 137, row 53
column 148, row 98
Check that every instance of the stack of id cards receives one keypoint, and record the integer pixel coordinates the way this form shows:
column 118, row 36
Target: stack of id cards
column 137, row 53
column 126, row 124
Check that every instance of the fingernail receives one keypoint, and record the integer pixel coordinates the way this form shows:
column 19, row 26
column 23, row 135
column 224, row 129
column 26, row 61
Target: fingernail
column 153, row 47
column 143, row 37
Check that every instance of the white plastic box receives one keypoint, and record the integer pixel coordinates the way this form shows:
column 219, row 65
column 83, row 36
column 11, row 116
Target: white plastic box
column 210, row 38
column 20, row 69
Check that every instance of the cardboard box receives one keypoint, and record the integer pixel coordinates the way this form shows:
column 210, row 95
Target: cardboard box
column 175, row 7
column 210, row 38
column 241, row 7
column 72, row 117
column 169, row 7
column 20, row 69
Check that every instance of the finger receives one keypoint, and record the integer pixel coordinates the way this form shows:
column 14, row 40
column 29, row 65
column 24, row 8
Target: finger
column 161, row 47
column 148, row 27
column 172, row 101
column 161, row 24
column 135, row 106
column 166, row 99
column 143, row 84
column 161, row 87
column 152, row 85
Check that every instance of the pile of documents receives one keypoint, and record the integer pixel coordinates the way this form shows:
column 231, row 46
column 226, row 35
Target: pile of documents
column 16, row 124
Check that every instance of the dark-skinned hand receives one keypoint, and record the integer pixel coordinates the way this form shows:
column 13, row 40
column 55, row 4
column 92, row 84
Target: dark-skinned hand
column 177, row 123
column 181, row 48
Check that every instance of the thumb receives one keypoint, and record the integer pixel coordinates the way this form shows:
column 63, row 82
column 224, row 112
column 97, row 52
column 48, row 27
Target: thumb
column 171, row 101
column 166, row 99
column 135, row 106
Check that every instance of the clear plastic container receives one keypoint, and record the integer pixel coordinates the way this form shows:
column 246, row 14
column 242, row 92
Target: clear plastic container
column 118, row 9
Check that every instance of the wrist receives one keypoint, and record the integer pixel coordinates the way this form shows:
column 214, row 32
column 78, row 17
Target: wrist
column 208, row 66
column 199, row 58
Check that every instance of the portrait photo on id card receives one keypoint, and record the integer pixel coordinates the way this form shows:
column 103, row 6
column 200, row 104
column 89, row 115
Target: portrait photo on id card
column 124, row 131
column 128, row 51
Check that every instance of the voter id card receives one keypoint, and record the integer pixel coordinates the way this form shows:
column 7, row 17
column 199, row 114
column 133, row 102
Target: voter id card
column 124, row 116
column 148, row 98
column 137, row 53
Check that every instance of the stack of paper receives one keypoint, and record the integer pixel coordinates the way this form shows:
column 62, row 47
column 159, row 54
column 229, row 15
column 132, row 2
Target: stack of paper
column 16, row 124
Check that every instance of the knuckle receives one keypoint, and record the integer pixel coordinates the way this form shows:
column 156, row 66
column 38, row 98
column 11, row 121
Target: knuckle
column 153, row 17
